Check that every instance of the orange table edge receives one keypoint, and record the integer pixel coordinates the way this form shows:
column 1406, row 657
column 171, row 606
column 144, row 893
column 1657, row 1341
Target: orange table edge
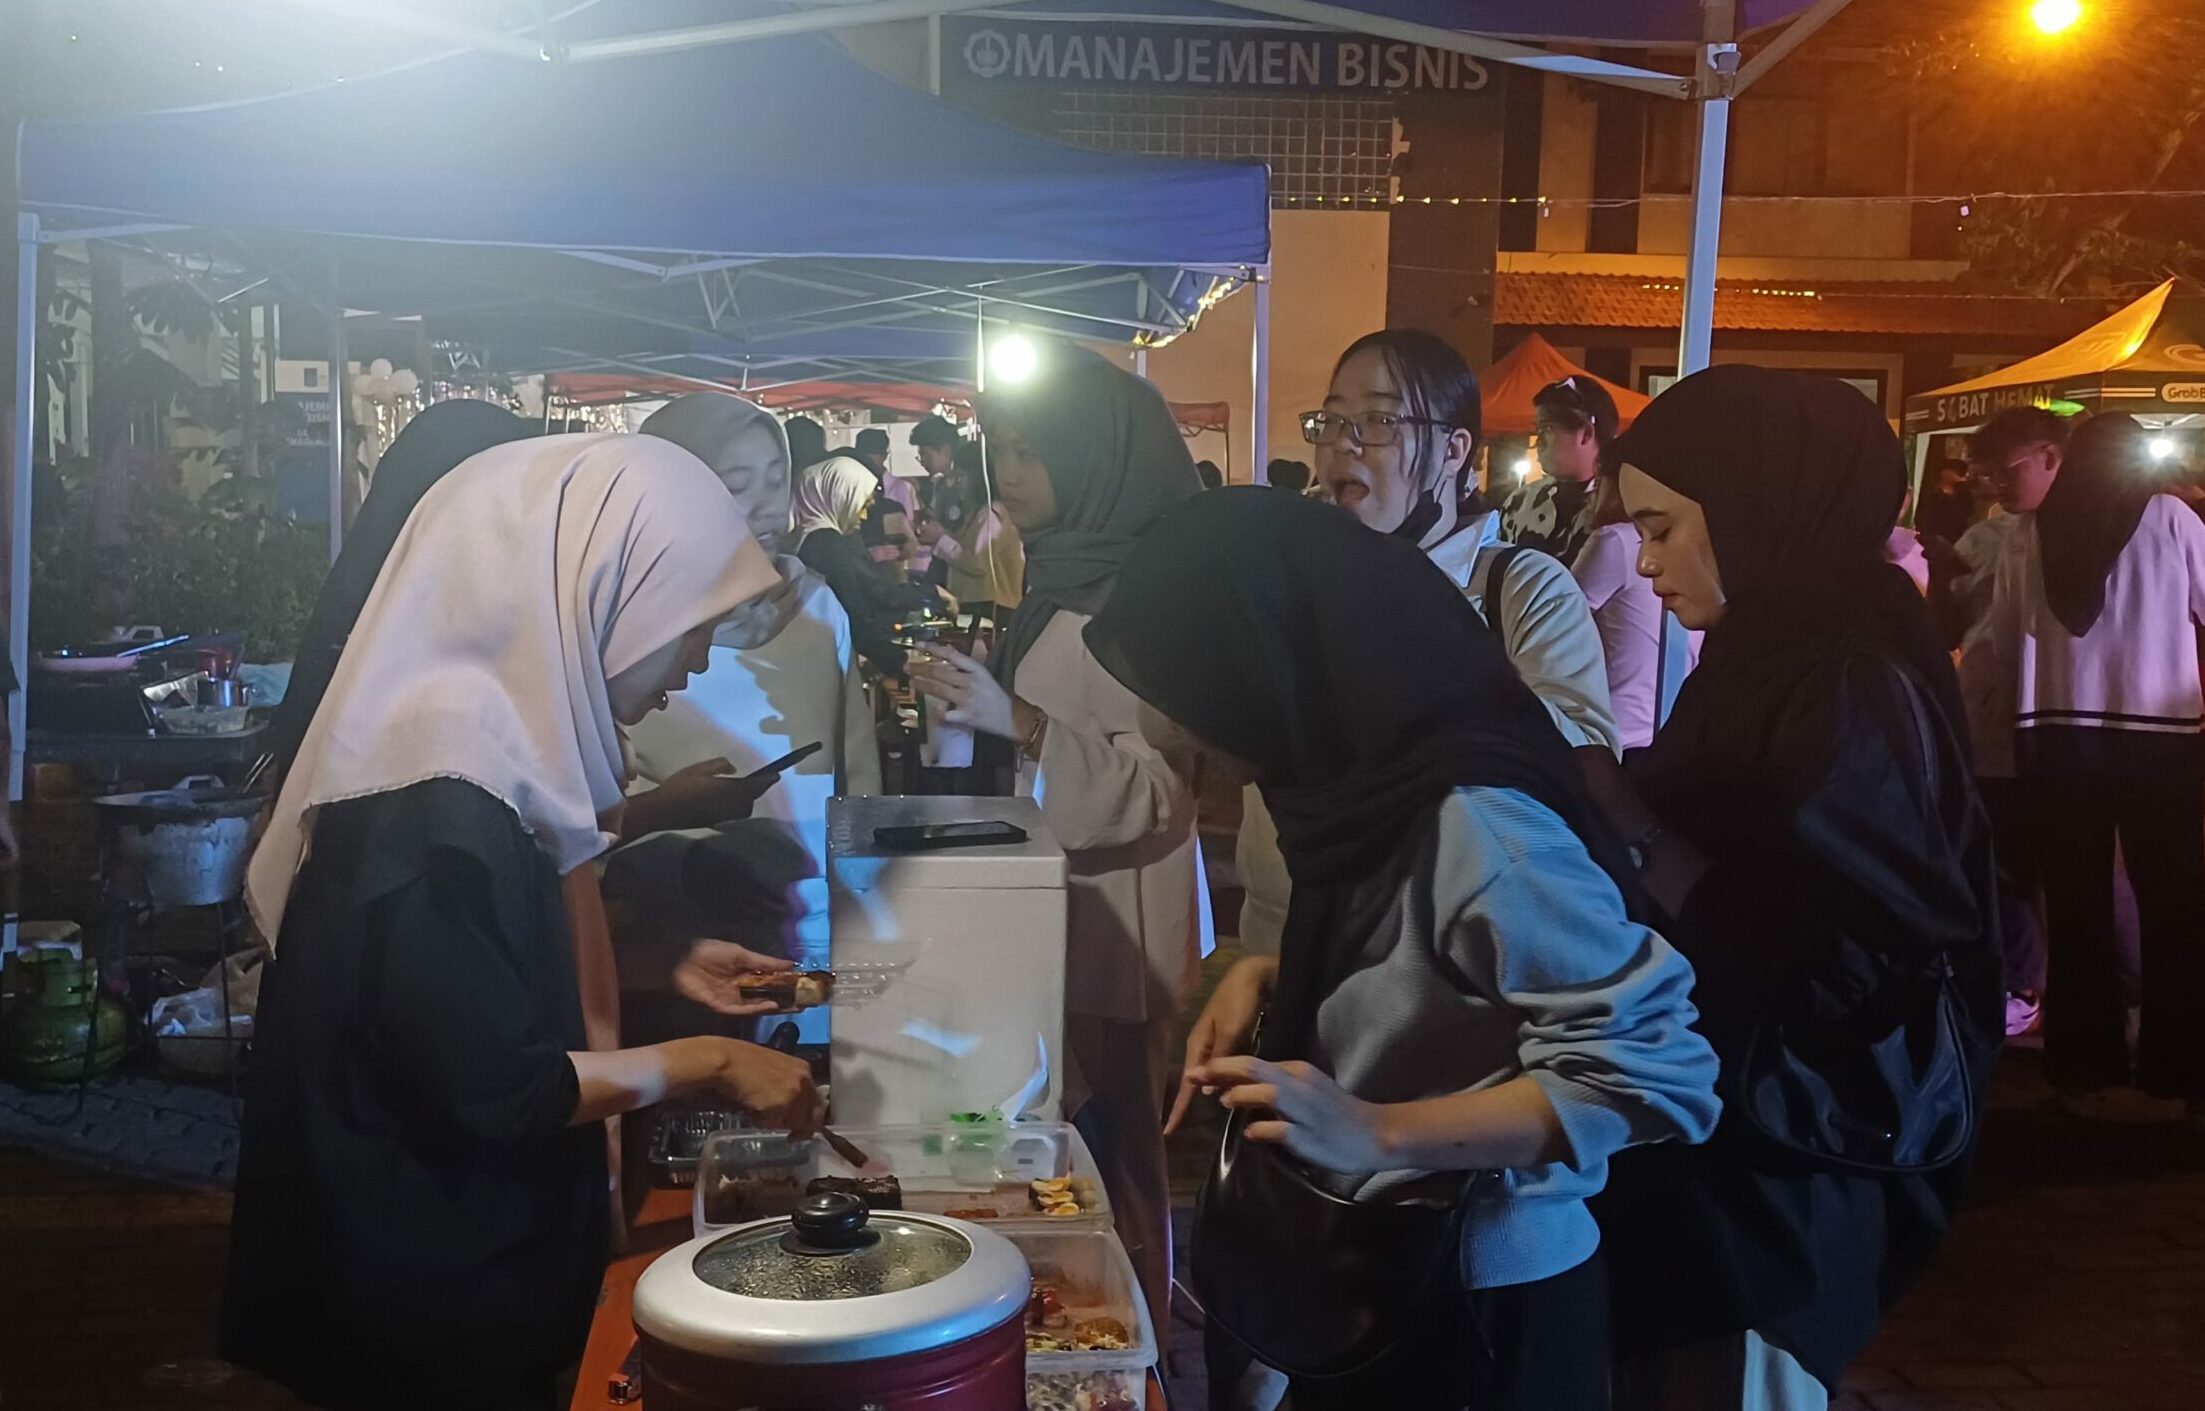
column 662, row 1223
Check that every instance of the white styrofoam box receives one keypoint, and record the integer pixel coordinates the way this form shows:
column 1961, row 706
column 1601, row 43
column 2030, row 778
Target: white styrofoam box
column 973, row 1020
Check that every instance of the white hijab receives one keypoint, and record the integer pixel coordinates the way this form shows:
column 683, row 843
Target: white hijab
column 522, row 582
column 833, row 495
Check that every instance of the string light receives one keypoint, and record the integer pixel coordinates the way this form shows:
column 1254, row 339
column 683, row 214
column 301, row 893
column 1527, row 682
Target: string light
column 1965, row 204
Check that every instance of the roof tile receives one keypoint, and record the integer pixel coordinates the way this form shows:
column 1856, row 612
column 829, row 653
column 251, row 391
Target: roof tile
column 1632, row 301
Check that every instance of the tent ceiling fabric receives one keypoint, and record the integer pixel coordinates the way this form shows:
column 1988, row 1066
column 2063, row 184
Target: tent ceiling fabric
column 781, row 148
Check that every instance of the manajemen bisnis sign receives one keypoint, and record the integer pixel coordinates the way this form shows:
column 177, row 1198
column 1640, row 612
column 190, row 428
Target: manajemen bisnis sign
column 1096, row 53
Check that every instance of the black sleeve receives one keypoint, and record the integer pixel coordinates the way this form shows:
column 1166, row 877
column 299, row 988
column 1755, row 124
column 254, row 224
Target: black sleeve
column 1868, row 860
column 452, row 1017
column 873, row 605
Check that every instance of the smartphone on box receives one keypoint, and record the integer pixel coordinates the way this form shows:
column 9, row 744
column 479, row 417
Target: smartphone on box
column 929, row 837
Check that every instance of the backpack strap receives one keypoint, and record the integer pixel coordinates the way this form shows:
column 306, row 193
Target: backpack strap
column 1489, row 580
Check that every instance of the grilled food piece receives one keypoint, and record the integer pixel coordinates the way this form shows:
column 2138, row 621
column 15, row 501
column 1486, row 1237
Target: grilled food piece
column 790, row 990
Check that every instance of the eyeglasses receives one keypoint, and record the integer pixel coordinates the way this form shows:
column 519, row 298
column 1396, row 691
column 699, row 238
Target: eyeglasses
column 1370, row 430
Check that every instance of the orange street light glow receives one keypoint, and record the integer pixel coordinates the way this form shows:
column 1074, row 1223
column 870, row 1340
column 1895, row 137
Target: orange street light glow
column 2055, row 16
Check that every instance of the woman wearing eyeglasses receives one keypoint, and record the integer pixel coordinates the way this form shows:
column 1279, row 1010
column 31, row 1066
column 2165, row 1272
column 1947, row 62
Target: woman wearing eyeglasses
column 1395, row 446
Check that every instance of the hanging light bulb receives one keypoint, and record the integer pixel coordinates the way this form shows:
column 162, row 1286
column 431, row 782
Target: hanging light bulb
column 1012, row 358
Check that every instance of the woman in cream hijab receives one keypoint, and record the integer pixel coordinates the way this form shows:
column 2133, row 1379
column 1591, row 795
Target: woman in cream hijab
column 783, row 674
column 421, row 1188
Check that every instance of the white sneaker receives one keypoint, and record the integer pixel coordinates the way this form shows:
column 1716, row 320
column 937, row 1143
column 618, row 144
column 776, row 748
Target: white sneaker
column 2023, row 1014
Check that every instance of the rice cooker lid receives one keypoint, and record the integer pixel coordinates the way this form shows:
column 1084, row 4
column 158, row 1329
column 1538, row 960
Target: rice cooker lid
column 832, row 1283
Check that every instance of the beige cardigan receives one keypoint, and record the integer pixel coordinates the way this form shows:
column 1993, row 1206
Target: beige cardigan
column 1126, row 823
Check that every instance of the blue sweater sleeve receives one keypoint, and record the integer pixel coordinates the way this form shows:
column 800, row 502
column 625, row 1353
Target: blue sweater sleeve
column 1603, row 1004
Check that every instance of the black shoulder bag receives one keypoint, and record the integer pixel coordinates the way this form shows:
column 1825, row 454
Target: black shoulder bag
column 1314, row 1284
column 1896, row 1103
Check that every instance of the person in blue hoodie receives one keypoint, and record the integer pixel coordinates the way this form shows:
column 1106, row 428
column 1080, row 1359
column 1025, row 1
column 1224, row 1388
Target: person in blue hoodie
column 1461, row 987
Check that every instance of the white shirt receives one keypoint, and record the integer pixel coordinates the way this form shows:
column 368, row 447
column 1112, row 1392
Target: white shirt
column 2137, row 668
column 754, row 705
column 1546, row 625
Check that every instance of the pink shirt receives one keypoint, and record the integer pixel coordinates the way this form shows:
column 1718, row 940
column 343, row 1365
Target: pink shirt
column 1628, row 615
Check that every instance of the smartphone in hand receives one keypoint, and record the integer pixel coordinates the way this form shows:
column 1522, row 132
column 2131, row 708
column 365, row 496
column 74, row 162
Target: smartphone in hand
column 777, row 768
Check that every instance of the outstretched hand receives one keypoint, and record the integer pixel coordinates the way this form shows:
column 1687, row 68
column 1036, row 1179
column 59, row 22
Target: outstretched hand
column 711, row 972
column 974, row 697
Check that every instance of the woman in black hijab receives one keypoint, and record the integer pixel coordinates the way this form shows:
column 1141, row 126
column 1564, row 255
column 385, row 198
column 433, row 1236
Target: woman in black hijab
column 1459, row 986
column 1086, row 456
column 428, row 449
column 1807, row 821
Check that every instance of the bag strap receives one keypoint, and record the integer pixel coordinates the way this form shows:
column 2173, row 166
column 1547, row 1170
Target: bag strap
column 1672, row 663
column 1490, row 581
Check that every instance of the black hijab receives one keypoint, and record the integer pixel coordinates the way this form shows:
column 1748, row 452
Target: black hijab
column 2090, row 515
column 431, row 445
column 1116, row 461
column 1351, row 674
column 1801, row 481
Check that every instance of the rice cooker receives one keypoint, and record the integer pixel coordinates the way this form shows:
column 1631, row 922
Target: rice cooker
column 836, row 1308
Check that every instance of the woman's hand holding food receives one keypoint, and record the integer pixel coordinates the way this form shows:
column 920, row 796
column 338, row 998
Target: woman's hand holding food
column 775, row 1088
column 711, row 971
column 1226, row 1027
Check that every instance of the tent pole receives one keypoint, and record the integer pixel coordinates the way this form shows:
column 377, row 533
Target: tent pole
column 337, row 409
column 1259, row 442
column 1922, row 443
column 1718, row 66
column 27, row 315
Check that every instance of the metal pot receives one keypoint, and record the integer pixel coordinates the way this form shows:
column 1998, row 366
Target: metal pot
column 837, row 1309
column 184, row 846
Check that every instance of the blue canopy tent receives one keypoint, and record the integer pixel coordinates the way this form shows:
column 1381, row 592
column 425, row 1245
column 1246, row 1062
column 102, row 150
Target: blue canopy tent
column 741, row 217
column 1548, row 35
column 642, row 208
column 713, row 203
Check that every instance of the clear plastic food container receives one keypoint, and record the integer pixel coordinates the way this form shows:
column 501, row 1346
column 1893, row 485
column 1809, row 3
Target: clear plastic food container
column 982, row 1172
column 1092, row 1279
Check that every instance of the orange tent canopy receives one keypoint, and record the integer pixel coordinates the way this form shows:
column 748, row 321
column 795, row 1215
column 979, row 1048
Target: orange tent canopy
column 1531, row 365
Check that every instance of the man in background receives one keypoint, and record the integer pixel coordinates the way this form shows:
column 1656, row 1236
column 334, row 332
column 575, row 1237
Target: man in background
column 2015, row 456
column 977, row 554
column 1576, row 419
column 1290, row 476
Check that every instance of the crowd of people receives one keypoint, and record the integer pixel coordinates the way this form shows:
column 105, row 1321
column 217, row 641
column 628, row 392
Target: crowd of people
column 1632, row 881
